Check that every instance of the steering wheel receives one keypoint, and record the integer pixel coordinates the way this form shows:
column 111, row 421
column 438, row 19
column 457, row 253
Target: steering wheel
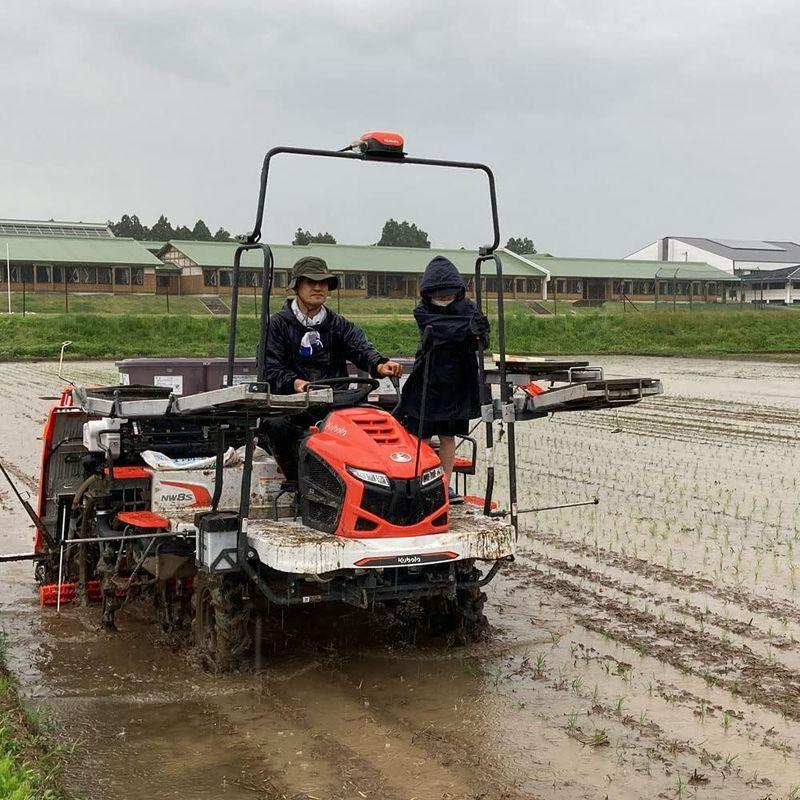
column 344, row 397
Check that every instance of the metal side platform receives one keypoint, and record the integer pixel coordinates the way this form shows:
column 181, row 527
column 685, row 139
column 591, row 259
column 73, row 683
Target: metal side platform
column 138, row 402
column 573, row 386
column 588, row 395
column 287, row 546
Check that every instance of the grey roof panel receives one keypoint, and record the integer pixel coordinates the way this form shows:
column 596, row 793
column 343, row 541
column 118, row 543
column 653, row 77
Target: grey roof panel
column 747, row 244
column 788, row 254
column 765, row 275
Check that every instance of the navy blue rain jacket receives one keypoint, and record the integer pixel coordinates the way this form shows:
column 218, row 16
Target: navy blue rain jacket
column 456, row 331
column 342, row 341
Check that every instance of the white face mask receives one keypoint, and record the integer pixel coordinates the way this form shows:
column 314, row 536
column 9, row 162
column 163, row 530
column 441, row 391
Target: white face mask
column 441, row 303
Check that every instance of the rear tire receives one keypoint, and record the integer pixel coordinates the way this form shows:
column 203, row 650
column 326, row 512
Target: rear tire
column 460, row 618
column 221, row 621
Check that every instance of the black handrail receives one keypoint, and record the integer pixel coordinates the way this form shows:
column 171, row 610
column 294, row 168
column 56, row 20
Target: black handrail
column 266, row 289
column 255, row 235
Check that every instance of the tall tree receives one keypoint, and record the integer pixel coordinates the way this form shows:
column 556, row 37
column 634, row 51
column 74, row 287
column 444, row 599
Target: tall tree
column 183, row 233
column 403, row 234
column 521, row 246
column 306, row 237
column 200, row 232
column 162, row 231
column 129, row 226
column 222, row 236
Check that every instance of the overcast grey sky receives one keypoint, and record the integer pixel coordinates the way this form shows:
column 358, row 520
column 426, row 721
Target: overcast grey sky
column 608, row 122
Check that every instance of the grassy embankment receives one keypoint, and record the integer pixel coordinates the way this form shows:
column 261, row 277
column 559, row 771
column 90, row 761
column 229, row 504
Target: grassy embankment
column 662, row 333
column 29, row 770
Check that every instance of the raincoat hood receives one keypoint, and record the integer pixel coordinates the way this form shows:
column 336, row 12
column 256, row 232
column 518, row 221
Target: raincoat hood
column 440, row 278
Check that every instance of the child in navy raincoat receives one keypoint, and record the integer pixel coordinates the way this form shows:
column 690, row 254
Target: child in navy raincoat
column 456, row 329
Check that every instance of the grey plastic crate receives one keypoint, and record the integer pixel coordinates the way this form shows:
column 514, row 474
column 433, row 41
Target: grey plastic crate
column 244, row 371
column 183, row 375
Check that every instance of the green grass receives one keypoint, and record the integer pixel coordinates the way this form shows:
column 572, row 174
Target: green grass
column 662, row 333
column 29, row 769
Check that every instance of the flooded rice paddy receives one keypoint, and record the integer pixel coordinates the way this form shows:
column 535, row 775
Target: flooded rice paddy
column 645, row 647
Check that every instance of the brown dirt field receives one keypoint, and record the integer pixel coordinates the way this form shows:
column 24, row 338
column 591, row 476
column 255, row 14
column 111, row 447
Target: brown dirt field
column 648, row 647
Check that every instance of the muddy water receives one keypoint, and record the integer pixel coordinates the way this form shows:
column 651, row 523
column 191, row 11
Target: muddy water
column 647, row 647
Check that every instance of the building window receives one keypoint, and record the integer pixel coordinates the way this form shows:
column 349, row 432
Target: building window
column 209, row 277
column 137, row 276
column 252, row 278
column 280, row 279
column 354, row 281
column 43, row 273
column 224, row 277
column 533, row 285
column 561, row 285
column 643, row 287
column 508, row 285
column 122, row 276
column 104, row 276
column 491, row 284
column 58, row 274
column 395, row 284
column 163, row 281
column 73, row 274
column 574, row 287
column 88, row 275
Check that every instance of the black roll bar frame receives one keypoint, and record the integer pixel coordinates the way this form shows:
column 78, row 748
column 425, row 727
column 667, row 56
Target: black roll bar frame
column 252, row 241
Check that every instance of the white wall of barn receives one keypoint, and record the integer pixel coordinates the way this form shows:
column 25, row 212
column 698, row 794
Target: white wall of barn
column 648, row 253
column 681, row 251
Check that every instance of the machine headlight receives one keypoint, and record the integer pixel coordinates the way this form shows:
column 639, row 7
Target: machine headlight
column 368, row 476
column 430, row 475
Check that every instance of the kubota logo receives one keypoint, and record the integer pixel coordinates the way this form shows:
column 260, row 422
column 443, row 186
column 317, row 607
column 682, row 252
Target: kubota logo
column 192, row 491
column 400, row 457
column 337, row 429
column 408, row 559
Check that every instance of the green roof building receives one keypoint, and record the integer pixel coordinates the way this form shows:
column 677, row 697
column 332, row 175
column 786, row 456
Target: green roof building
column 87, row 263
column 372, row 271
column 364, row 270
column 599, row 279
column 95, row 263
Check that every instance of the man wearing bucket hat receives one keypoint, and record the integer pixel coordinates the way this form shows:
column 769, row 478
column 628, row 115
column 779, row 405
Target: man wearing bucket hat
column 306, row 342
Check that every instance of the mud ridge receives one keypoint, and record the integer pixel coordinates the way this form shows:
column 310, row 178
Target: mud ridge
column 720, row 663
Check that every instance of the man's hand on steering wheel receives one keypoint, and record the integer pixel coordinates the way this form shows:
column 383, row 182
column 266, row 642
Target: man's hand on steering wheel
column 389, row 369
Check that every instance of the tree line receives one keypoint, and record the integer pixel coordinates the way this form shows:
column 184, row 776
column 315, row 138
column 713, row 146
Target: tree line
column 405, row 234
column 393, row 234
column 131, row 227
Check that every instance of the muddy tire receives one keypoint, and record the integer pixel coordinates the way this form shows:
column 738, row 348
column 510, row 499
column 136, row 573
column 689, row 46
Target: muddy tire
column 221, row 621
column 460, row 618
